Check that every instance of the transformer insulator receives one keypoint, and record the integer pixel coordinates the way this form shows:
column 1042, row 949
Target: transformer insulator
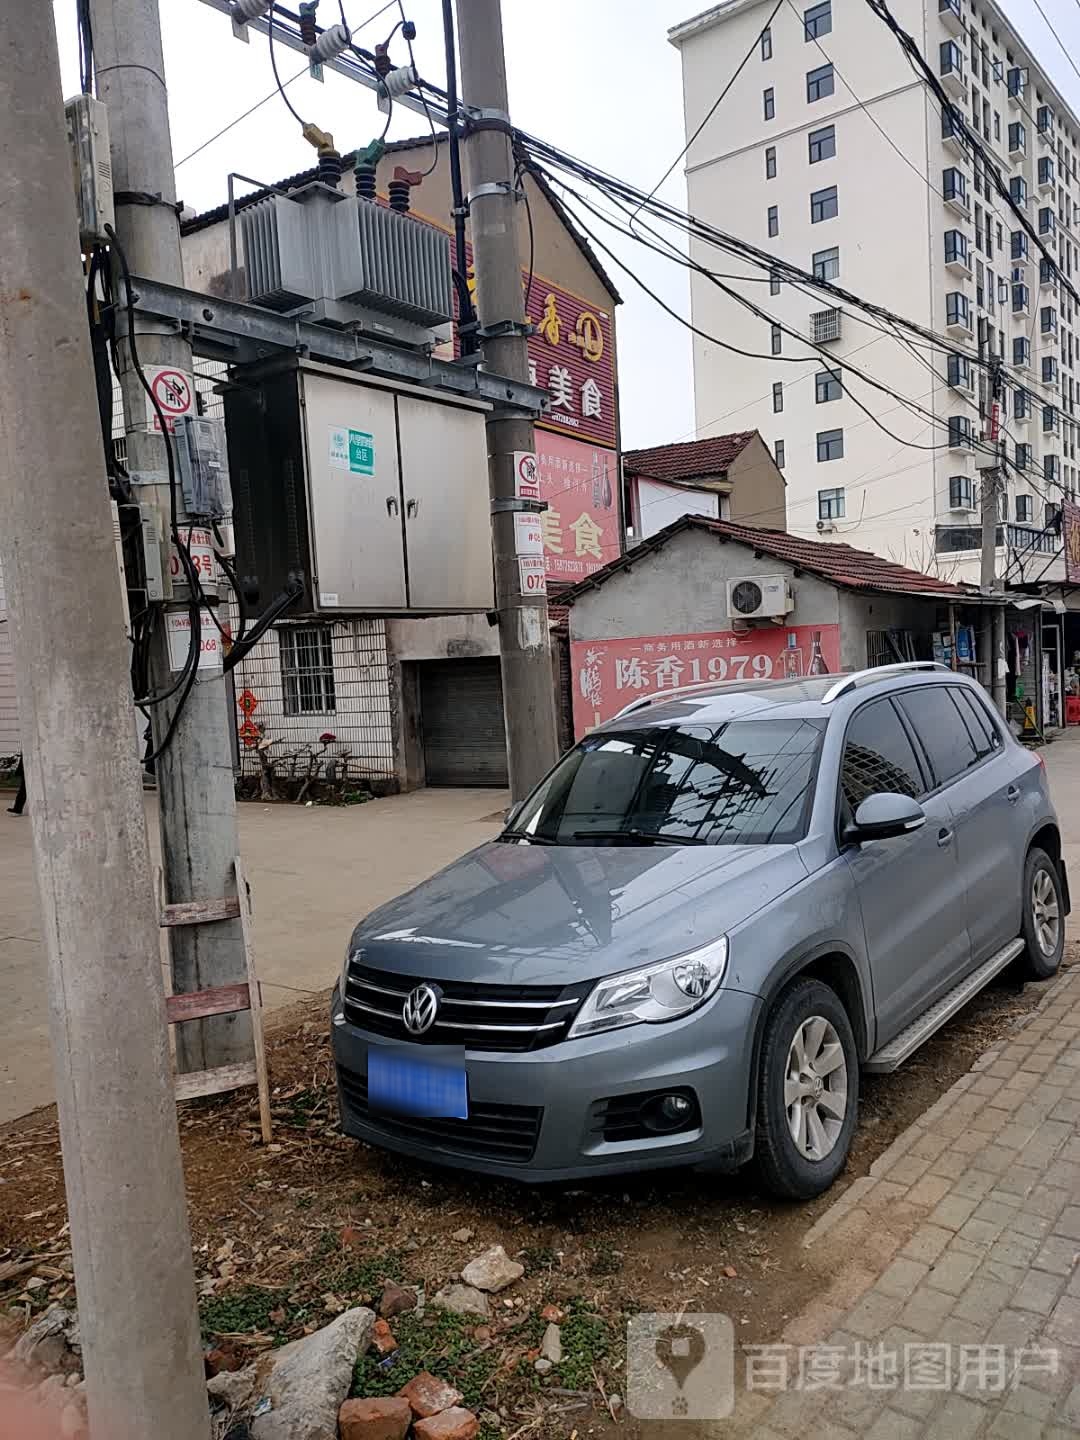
column 365, row 181
column 309, row 33
column 330, row 44
column 399, row 196
column 330, row 168
column 245, row 10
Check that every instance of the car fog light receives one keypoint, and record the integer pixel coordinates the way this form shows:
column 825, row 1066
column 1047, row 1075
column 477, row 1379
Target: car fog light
column 667, row 1112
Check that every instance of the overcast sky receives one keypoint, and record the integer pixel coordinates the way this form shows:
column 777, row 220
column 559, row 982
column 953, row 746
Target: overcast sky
column 596, row 77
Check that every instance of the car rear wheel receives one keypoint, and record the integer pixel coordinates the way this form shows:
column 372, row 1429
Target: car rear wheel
column 1044, row 916
column 808, row 1092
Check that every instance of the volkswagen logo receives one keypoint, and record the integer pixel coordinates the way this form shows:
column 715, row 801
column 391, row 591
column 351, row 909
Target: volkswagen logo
column 420, row 1009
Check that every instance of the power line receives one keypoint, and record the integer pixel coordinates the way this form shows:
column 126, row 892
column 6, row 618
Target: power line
column 1057, row 37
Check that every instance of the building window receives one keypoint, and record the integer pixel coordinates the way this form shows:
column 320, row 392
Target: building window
column 958, row 372
column 952, row 63
column 781, row 457
column 768, row 103
column 1021, row 404
column 830, row 445
column 824, row 205
column 766, row 43
column 822, row 144
column 826, row 263
column 954, row 185
column 1018, row 138
column 1018, row 192
column 817, row 21
column 1049, row 370
column 1046, row 221
column 770, row 162
column 1023, row 455
column 819, row 83
column 1052, row 468
column 1021, row 350
column 307, row 669
column 1018, row 245
column 1025, row 509
column 960, row 432
column 1046, row 170
column 774, row 220
column 830, row 503
column 777, row 397
column 961, row 492
column 997, row 126
column 1048, row 320
column 1051, row 420
column 774, row 283
column 956, row 248
column 776, row 339
column 958, row 309
column 828, row 385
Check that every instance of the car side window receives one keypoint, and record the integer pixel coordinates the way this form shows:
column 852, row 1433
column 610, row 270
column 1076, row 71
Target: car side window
column 983, row 728
column 878, row 756
column 941, row 730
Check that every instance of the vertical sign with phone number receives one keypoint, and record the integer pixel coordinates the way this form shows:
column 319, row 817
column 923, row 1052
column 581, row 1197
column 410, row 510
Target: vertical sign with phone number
column 609, row 674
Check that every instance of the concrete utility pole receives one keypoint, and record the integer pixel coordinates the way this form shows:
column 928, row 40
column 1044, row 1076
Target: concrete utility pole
column 991, row 486
column 524, row 642
column 197, row 806
column 125, row 1186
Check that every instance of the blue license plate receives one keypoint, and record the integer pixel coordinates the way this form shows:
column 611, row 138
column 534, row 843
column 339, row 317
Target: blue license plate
column 400, row 1083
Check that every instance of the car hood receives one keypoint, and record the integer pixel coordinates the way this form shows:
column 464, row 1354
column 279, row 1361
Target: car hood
column 542, row 915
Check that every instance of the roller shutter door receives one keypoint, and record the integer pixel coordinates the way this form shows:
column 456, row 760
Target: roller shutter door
column 462, row 715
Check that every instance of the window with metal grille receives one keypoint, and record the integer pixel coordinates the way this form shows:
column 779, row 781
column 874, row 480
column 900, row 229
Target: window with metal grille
column 817, row 20
column 819, row 83
column 822, row 144
column 825, row 326
column 307, row 670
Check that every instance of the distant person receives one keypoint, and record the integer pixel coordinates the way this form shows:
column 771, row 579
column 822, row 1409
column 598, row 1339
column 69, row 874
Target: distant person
column 20, row 798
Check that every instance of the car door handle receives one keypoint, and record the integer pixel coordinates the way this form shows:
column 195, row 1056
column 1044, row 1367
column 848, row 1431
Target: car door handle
column 1012, row 794
column 944, row 837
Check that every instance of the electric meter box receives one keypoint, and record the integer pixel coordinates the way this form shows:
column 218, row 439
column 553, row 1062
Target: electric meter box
column 204, row 467
column 372, row 492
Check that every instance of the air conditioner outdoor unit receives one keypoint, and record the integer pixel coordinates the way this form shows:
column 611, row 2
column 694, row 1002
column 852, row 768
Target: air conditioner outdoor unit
column 759, row 597
column 825, row 527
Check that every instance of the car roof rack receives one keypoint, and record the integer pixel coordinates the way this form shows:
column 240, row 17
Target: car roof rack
column 877, row 672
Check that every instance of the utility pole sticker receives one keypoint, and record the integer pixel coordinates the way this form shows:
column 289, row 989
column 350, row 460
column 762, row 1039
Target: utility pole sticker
column 173, row 391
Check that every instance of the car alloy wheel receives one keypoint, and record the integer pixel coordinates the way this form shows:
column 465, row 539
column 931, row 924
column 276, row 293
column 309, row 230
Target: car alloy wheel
column 1045, row 912
column 815, row 1088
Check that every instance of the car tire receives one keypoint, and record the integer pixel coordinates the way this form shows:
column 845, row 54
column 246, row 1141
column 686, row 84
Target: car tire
column 808, row 1021
column 1043, row 916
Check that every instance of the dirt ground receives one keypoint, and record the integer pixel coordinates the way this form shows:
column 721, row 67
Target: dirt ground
column 285, row 1237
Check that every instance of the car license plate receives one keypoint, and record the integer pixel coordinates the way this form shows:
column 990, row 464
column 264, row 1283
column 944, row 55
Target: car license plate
column 400, row 1083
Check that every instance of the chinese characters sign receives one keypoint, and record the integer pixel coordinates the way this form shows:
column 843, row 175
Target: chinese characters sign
column 572, row 357
column 581, row 524
column 1070, row 530
column 609, row 674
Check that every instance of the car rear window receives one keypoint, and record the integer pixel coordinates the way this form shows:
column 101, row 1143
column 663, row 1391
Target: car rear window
column 941, row 729
column 878, row 756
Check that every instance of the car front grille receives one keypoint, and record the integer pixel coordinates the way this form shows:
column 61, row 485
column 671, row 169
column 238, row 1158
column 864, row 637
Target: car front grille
column 495, row 1132
column 481, row 1017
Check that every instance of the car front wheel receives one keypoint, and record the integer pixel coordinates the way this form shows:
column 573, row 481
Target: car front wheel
column 1044, row 916
column 808, row 1092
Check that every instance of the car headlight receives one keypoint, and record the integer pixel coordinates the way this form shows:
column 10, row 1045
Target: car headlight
column 654, row 993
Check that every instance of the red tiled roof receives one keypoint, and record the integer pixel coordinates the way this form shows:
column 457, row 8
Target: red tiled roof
column 840, row 564
column 690, row 460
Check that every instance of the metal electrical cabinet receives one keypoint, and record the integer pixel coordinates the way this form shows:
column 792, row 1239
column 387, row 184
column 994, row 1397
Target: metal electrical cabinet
column 374, row 494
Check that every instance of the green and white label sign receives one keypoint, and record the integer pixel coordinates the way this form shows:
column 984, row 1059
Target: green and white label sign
column 352, row 450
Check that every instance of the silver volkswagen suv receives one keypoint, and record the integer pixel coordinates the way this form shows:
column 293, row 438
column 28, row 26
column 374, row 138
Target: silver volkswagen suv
column 713, row 913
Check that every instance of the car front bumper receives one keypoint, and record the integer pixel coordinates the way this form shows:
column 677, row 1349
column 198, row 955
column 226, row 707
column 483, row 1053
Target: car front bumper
column 562, row 1087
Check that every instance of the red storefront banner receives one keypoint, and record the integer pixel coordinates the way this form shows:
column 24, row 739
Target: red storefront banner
column 1070, row 533
column 580, row 483
column 609, row 674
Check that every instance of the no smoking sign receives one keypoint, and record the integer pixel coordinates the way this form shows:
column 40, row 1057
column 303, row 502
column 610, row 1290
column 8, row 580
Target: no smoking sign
column 174, row 391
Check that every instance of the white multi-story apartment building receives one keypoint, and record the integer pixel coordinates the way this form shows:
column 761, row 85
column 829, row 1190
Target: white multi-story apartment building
column 831, row 152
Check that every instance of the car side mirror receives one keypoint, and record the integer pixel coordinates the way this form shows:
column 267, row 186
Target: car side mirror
column 512, row 814
column 884, row 817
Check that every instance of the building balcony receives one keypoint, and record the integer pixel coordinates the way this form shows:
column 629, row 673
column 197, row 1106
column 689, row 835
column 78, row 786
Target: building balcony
column 957, row 253
column 951, row 16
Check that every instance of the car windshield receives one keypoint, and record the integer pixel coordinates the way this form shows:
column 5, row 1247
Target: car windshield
column 746, row 782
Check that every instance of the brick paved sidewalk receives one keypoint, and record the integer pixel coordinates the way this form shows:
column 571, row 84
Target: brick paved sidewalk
column 966, row 1233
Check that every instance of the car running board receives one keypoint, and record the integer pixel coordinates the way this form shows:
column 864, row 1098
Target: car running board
column 891, row 1056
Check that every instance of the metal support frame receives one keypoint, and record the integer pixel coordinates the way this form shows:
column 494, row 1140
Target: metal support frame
column 238, row 334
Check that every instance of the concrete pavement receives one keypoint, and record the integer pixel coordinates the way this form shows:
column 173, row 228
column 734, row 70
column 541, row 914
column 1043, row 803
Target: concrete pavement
column 313, row 872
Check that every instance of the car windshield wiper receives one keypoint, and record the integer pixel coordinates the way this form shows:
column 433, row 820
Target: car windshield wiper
column 525, row 835
column 639, row 837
